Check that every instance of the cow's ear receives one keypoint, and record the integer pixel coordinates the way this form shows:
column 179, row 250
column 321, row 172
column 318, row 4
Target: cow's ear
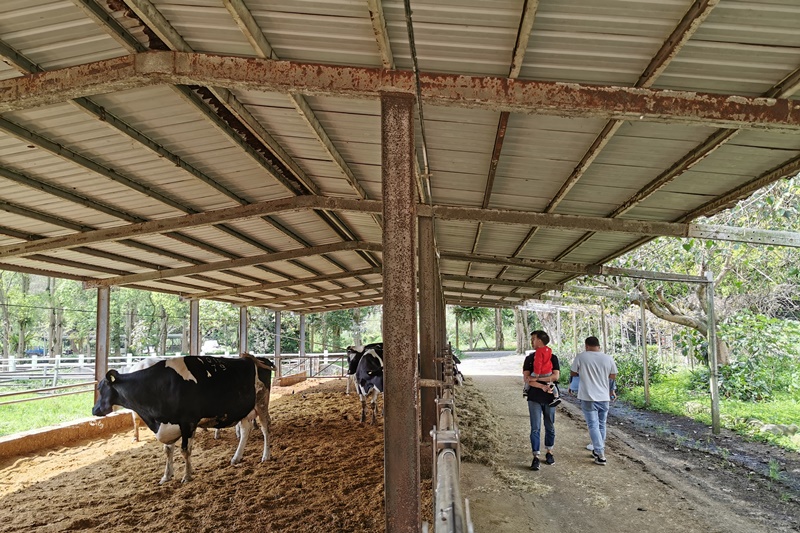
column 112, row 375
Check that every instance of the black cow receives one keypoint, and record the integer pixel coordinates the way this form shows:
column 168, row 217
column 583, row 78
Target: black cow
column 176, row 396
column 354, row 354
column 369, row 378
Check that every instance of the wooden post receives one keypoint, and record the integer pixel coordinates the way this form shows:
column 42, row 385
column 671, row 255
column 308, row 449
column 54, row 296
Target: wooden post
column 712, row 354
column 643, row 336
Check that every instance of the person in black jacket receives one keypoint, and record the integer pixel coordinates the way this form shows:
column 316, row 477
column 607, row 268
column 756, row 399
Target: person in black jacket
column 540, row 370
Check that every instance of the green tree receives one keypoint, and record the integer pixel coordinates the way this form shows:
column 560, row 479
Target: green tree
column 472, row 315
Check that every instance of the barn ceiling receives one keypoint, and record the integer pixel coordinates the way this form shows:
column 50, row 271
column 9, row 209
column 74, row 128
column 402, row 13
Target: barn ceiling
column 551, row 136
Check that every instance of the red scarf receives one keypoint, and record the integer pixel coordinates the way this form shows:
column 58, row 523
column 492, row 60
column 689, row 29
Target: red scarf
column 543, row 361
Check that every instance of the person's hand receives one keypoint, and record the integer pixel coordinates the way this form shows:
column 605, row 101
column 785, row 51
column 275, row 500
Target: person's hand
column 613, row 395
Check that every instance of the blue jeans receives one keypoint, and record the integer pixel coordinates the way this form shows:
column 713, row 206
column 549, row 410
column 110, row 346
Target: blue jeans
column 596, row 414
column 536, row 410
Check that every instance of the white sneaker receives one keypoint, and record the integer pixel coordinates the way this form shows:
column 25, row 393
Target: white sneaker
column 590, row 447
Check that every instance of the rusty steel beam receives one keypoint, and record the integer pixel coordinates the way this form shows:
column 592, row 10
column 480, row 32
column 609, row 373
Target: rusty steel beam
column 490, row 281
column 339, row 307
column 482, row 92
column 87, row 235
column 428, row 278
column 234, row 263
column 685, row 29
column 356, row 301
column 482, row 292
column 468, row 302
column 381, row 35
column 517, row 57
column 188, row 221
column 294, row 282
column 401, row 428
column 573, row 268
column 304, row 295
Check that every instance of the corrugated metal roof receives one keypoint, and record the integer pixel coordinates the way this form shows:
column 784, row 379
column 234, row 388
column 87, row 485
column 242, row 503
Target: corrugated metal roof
column 163, row 152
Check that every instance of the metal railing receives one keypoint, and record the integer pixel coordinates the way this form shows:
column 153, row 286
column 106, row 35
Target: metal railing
column 15, row 371
column 451, row 511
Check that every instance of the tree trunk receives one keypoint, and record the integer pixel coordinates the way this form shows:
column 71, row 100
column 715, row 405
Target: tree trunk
column 357, row 329
column 499, row 340
column 457, row 346
column 471, row 337
column 162, row 333
column 519, row 329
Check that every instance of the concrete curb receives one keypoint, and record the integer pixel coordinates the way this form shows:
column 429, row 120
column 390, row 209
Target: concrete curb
column 54, row 436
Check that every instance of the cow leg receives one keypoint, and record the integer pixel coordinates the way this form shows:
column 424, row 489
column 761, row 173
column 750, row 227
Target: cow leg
column 374, row 402
column 262, row 412
column 363, row 398
column 243, row 429
column 168, row 470
column 135, row 418
column 187, row 436
column 216, row 433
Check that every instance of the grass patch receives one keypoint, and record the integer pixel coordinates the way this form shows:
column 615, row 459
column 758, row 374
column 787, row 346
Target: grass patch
column 25, row 416
column 673, row 395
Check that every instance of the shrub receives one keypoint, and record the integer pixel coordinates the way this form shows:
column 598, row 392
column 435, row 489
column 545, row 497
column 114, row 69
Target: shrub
column 630, row 370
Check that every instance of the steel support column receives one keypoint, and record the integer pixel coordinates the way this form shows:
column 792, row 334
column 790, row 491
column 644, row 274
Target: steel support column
column 441, row 318
column 301, row 347
column 243, row 329
column 401, row 428
column 712, row 354
column 103, row 334
column 194, row 327
column 427, row 332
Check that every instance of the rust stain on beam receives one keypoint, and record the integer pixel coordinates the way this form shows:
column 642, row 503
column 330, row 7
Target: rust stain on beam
column 494, row 93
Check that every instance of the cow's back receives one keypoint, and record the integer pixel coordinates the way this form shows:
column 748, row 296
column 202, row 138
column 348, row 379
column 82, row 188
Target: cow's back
column 220, row 391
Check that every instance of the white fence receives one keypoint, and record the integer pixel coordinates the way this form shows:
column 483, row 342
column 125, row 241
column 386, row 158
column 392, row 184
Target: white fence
column 42, row 375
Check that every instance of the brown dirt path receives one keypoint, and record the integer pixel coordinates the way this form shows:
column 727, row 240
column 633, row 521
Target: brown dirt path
column 646, row 486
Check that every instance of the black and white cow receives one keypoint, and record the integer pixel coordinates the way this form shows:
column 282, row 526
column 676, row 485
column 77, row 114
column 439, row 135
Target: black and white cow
column 369, row 378
column 176, row 396
column 354, row 354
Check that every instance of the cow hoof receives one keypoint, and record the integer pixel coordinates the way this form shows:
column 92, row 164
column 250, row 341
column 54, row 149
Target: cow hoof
column 164, row 480
column 186, row 480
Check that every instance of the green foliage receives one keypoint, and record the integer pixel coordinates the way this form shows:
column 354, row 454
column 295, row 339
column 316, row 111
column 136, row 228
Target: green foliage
column 630, row 370
column 679, row 394
column 25, row 416
column 765, row 356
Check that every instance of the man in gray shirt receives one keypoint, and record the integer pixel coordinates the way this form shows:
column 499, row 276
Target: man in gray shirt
column 597, row 372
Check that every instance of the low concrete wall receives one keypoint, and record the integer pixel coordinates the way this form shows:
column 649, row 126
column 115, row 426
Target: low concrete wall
column 86, row 428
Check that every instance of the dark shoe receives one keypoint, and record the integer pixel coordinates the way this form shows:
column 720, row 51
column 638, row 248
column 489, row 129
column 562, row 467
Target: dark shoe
column 535, row 464
column 549, row 459
column 555, row 402
column 599, row 460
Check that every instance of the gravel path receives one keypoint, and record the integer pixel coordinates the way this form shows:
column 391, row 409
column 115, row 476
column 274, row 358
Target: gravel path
column 648, row 485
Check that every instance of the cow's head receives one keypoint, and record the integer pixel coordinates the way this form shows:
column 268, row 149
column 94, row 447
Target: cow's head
column 107, row 396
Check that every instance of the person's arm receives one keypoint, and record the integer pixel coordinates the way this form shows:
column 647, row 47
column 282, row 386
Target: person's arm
column 612, row 386
column 526, row 376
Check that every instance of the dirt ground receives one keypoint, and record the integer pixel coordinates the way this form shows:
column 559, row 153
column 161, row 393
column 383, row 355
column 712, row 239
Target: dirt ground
column 664, row 473
column 325, row 474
